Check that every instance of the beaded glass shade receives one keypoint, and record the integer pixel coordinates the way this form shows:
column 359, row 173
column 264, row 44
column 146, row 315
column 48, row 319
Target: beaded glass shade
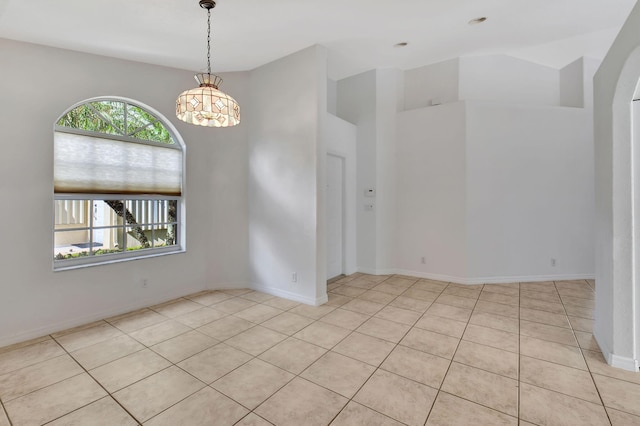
column 206, row 105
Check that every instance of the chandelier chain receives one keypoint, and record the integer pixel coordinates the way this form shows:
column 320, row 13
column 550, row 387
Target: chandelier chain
column 209, row 41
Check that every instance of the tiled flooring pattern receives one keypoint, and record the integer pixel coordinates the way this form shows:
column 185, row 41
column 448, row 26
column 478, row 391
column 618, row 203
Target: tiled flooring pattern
column 384, row 351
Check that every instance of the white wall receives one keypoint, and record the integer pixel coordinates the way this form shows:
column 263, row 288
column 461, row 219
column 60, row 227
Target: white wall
column 507, row 79
column 285, row 177
column 530, row 197
column 33, row 299
column 438, row 82
column 617, row 323
column 341, row 138
column 431, row 192
column 572, row 84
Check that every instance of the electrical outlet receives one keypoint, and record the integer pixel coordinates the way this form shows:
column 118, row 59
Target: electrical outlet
column 145, row 283
column 294, row 277
column 423, row 260
column 553, row 262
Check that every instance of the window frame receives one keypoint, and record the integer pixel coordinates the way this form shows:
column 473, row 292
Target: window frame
column 180, row 222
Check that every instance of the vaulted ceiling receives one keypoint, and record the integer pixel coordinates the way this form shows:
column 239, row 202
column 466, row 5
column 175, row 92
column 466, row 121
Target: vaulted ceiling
column 360, row 34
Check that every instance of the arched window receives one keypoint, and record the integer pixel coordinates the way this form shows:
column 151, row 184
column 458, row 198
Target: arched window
column 118, row 179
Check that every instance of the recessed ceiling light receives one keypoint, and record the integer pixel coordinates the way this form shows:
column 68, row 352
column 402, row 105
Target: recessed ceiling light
column 401, row 44
column 478, row 20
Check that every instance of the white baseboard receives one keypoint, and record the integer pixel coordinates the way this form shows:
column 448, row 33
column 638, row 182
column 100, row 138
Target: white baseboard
column 96, row 316
column 317, row 301
column 623, row 362
column 477, row 280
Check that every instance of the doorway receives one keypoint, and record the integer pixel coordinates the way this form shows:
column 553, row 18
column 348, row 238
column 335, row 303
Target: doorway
column 335, row 215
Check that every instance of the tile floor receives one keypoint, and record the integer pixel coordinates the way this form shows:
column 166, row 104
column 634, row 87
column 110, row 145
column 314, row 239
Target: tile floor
column 383, row 351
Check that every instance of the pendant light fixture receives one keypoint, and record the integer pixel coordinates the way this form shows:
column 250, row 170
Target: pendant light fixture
column 206, row 105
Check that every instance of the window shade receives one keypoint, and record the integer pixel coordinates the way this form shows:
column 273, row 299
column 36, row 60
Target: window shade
column 93, row 165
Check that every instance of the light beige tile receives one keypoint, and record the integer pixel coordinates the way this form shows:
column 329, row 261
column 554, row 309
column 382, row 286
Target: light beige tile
column 505, row 299
column 154, row 334
column 411, row 304
column 581, row 324
column 459, row 301
column 450, row 312
column 252, row 383
column 442, row 325
column 256, row 340
column 428, row 285
column 402, row 399
column 103, row 412
column 89, row 336
column 280, row 303
column 454, row 411
column 469, row 291
column 499, row 322
column 226, row 327
column 433, row 343
column 399, row 315
column 231, row 306
column 510, row 289
column 487, row 358
column 338, row 373
column 107, row 351
column 549, row 318
column 258, row 313
column 576, row 301
column 383, row 329
column 545, row 296
column 548, row 332
column 618, row 418
column 137, row 320
column 349, row 291
column 419, row 294
column 491, row 337
column 544, row 407
column 598, row 365
column 587, row 341
column 213, row 363
column 345, row 319
column 542, row 305
column 497, row 308
column 24, row 344
column 618, row 394
column 584, row 294
column 417, row 365
column 558, row 378
column 401, row 280
column 156, row 393
column 364, row 348
column 301, row 402
column 337, row 300
column 363, row 284
column 77, row 329
column 321, row 334
column 182, row 347
column 253, row 419
column 389, row 288
column 199, row 317
column 355, row 414
column 287, row 323
column 176, row 308
column 541, row 286
column 237, row 291
column 200, row 409
column 315, row 312
column 4, row 420
column 363, row 306
column 29, row 355
column 377, row 297
column 552, row 352
column 209, row 299
column 293, row 355
column 129, row 369
column 54, row 401
column 491, row 390
column 28, row 379
column 257, row 296
column 579, row 311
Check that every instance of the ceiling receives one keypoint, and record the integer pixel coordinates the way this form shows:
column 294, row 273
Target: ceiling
column 360, row 34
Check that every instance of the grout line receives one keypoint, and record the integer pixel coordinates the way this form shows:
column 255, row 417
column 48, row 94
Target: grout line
column 5, row 412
